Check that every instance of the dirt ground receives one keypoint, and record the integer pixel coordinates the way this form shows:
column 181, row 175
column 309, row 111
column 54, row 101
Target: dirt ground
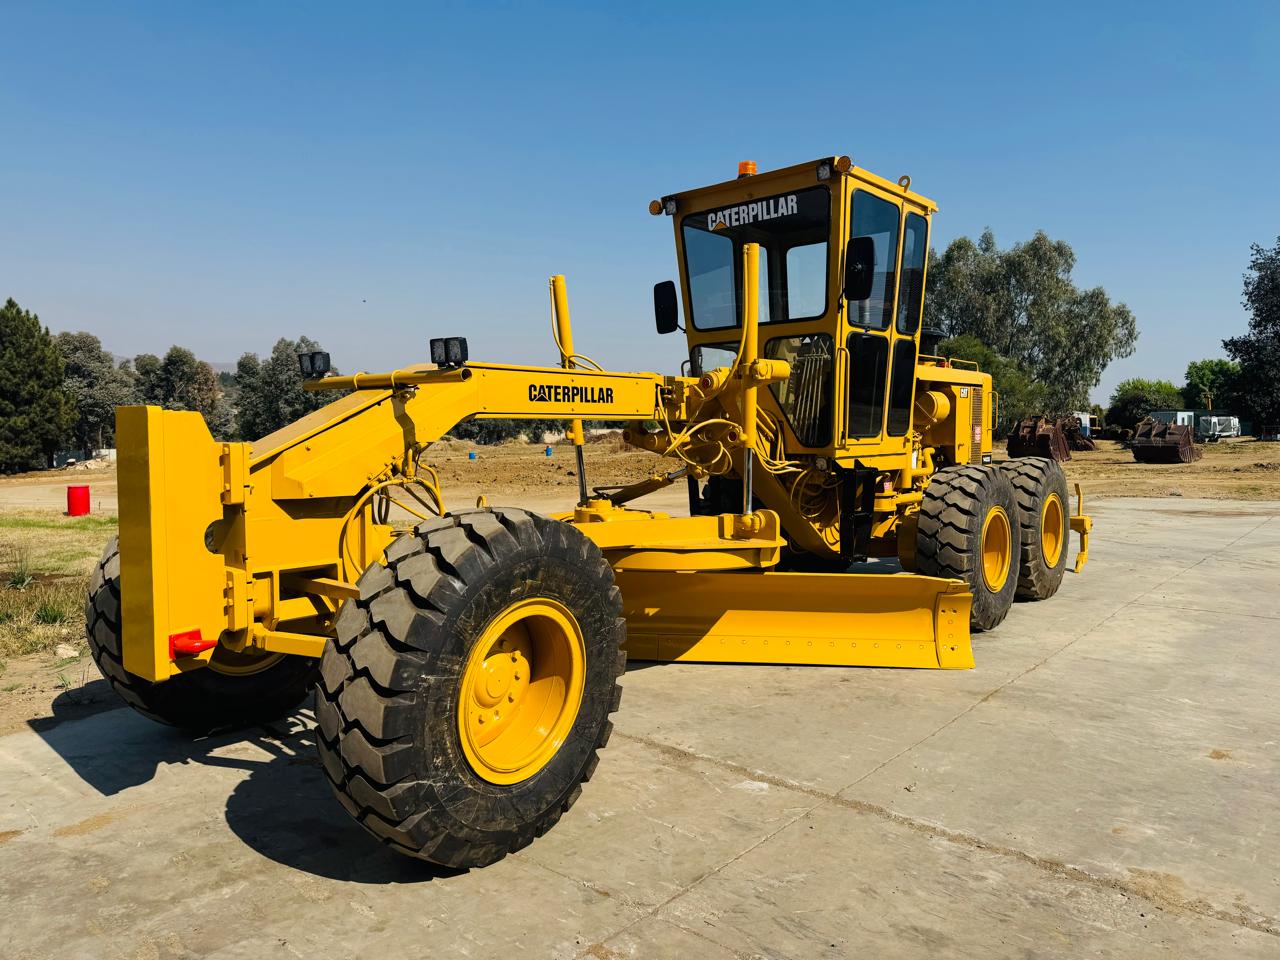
column 35, row 662
column 1242, row 469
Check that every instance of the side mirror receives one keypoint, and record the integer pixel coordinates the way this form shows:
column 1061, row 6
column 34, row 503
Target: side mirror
column 859, row 268
column 666, row 309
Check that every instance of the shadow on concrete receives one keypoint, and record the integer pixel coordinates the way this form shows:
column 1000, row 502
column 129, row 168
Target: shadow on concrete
column 120, row 749
column 283, row 809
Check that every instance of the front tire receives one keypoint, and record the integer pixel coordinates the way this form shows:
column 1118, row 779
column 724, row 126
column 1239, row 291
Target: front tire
column 236, row 690
column 469, row 687
column 966, row 532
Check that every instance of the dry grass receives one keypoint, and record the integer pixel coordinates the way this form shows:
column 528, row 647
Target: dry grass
column 45, row 562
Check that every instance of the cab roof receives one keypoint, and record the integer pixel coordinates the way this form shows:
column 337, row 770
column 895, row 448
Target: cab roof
column 686, row 199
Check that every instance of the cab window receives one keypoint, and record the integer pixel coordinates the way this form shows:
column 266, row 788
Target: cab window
column 878, row 219
column 805, row 396
column 807, row 280
column 902, row 387
column 868, row 362
column 915, row 240
column 708, row 356
column 709, row 261
column 792, row 230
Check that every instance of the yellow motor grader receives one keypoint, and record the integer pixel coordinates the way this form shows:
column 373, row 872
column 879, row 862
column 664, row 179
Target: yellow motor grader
column 466, row 659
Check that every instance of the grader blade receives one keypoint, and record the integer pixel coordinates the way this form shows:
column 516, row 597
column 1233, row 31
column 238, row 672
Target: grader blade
column 827, row 619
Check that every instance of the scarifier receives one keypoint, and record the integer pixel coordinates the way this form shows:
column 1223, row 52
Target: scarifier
column 466, row 660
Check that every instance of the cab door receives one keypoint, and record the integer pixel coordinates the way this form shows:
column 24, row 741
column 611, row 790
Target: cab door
column 884, row 328
column 870, row 321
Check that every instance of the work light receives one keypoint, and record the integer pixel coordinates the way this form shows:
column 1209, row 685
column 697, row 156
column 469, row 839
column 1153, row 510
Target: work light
column 449, row 351
column 313, row 364
column 455, row 349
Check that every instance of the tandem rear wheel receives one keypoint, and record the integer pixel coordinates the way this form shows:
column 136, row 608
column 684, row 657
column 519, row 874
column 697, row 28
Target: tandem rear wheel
column 469, row 687
column 1041, row 489
column 967, row 530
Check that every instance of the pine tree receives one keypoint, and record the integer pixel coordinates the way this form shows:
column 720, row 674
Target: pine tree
column 36, row 412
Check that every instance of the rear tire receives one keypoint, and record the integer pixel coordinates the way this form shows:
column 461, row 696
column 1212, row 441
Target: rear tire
column 966, row 532
column 1041, row 488
column 200, row 701
column 420, row 663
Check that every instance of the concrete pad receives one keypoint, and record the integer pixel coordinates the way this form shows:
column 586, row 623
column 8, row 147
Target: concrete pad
column 677, row 818
column 656, row 937
column 841, row 883
column 1103, row 784
column 871, row 716
column 1138, row 752
column 234, row 847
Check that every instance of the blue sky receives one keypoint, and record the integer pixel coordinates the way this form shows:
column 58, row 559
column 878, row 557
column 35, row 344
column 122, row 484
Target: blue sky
column 219, row 175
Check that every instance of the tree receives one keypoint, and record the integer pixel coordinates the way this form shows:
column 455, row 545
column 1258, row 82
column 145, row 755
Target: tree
column 1212, row 384
column 98, row 385
column 1020, row 395
column 269, row 393
column 181, row 382
column 1135, row 398
column 500, row 430
column 1258, row 351
column 487, row 431
column 147, row 368
column 197, row 388
column 185, row 383
column 1022, row 304
column 36, row 412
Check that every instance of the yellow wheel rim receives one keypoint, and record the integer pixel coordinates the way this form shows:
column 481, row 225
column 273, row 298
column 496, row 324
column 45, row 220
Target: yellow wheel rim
column 521, row 690
column 1052, row 529
column 997, row 548
column 233, row 664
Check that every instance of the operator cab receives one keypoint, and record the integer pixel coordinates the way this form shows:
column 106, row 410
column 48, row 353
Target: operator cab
column 842, row 264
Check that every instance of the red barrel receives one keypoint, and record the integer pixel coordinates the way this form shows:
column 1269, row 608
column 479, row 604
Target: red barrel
column 77, row 501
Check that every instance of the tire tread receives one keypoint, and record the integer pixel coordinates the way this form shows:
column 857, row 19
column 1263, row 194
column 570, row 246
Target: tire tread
column 370, row 674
